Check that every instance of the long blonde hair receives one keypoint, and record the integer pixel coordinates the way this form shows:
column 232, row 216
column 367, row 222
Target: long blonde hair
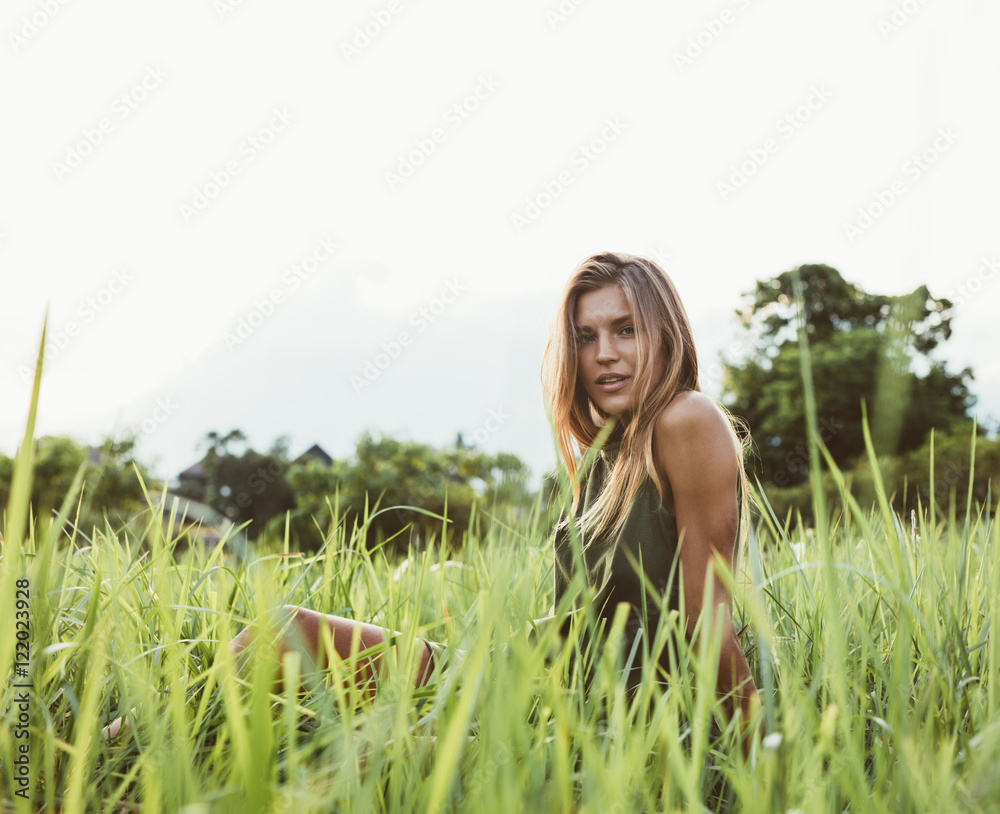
column 661, row 325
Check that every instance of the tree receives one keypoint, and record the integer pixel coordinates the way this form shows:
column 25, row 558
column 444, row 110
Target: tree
column 862, row 346
column 250, row 486
column 110, row 486
column 397, row 475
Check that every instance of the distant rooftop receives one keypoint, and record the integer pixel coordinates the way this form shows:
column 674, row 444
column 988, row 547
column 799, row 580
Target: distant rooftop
column 196, row 472
column 316, row 453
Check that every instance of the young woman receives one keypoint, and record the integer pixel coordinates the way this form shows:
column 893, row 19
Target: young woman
column 668, row 488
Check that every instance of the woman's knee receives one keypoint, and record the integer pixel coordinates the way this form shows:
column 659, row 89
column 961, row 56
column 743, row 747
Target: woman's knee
column 271, row 622
column 427, row 663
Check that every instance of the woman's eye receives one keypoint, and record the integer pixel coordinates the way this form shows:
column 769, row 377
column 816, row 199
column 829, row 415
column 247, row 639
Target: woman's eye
column 582, row 339
column 629, row 328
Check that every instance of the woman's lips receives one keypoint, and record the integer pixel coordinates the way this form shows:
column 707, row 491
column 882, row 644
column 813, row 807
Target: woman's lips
column 611, row 387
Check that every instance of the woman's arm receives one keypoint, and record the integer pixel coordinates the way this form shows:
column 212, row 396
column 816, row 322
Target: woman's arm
column 695, row 450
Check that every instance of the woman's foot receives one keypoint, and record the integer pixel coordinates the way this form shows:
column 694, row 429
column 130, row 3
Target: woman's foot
column 116, row 727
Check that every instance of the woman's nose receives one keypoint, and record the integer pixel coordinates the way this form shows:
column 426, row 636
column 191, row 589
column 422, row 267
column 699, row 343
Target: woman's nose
column 606, row 348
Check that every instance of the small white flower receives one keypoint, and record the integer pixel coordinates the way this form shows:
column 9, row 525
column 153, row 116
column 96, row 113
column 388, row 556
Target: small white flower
column 403, row 566
column 799, row 550
column 450, row 564
column 772, row 741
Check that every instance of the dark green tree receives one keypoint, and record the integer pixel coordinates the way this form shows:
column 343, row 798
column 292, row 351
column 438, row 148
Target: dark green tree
column 249, row 486
column 397, row 475
column 862, row 346
column 111, row 487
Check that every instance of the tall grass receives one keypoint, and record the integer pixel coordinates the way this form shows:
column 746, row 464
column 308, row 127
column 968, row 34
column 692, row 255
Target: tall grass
column 871, row 648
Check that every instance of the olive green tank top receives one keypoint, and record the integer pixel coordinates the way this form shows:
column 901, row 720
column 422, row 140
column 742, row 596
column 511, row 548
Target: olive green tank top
column 650, row 535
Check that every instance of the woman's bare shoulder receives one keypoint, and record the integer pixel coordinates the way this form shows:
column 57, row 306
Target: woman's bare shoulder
column 697, row 453
column 690, row 411
column 692, row 433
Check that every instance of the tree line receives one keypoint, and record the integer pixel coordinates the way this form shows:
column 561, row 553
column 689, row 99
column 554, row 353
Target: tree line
column 869, row 349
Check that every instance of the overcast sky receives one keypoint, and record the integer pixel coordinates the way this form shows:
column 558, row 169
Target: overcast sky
column 231, row 209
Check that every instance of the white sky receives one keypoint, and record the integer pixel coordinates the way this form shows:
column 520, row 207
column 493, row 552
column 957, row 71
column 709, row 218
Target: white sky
column 156, row 349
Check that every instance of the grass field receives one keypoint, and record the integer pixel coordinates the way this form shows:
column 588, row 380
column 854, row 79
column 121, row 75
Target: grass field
column 870, row 644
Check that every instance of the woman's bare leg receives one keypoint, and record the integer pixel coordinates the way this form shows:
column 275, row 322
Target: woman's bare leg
column 305, row 636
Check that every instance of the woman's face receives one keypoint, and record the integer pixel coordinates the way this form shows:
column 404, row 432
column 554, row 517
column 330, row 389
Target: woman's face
column 606, row 348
